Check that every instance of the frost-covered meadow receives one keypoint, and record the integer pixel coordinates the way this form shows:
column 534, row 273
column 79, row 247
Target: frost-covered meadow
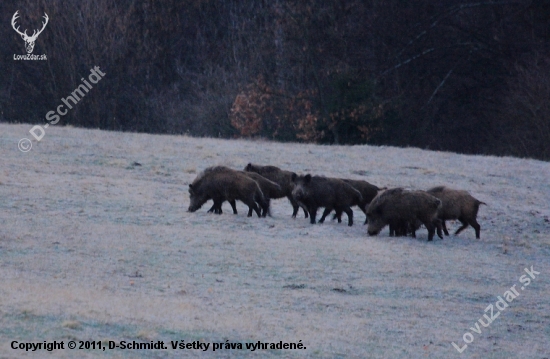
column 95, row 247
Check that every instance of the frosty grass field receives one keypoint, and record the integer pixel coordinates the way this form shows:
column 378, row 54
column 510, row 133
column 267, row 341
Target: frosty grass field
column 94, row 246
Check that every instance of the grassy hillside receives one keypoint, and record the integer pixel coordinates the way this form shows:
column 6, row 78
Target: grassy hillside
column 95, row 247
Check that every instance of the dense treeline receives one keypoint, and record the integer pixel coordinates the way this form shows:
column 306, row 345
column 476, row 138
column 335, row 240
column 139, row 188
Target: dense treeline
column 464, row 76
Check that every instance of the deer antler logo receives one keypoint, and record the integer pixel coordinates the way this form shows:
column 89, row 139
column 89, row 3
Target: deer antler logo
column 29, row 40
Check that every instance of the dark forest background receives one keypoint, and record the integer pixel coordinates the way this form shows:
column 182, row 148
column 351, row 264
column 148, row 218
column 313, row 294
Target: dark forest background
column 462, row 76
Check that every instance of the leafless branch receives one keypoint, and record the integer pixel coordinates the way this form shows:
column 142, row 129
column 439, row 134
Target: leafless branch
column 408, row 60
column 451, row 11
column 443, row 81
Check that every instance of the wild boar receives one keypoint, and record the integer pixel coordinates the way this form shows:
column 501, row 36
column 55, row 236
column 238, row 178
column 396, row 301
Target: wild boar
column 220, row 185
column 282, row 178
column 269, row 189
column 331, row 193
column 457, row 204
column 399, row 208
column 216, row 207
column 368, row 192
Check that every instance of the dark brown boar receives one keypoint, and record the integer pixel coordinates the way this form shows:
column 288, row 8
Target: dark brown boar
column 282, row 178
column 216, row 207
column 457, row 204
column 400, row 208
column 221, row 185
column 331, row 193
column 269, row 189
column 368, row 192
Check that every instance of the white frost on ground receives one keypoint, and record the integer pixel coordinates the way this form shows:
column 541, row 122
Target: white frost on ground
column 95, row 248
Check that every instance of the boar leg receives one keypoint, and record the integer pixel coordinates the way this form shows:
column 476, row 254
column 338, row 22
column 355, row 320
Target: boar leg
column 349, row 212
column 325, row 214
column 312, row 214
column 213, row 209
column 364, row 209
column 403, row 229
column 295, row 210
column 398, row 229
column 265, row 207
column 217, row 206
column 444, row 226
column 253, row 206
column 477, row 227
column 305, row 210
column 464, row 225
column 431, row 230
column 257, row 210
column 439, row 225
column 233, row 205
column 296, row 207
column 412, row 230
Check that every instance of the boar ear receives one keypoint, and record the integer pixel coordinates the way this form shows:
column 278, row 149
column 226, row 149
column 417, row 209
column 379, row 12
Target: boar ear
column 307, row 178
column 293, row 177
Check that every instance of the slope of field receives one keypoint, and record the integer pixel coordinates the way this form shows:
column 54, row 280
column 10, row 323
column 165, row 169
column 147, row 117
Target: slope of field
column 96, row 244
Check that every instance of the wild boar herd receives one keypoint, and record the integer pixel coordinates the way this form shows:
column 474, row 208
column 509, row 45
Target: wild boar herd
column 404, row 211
